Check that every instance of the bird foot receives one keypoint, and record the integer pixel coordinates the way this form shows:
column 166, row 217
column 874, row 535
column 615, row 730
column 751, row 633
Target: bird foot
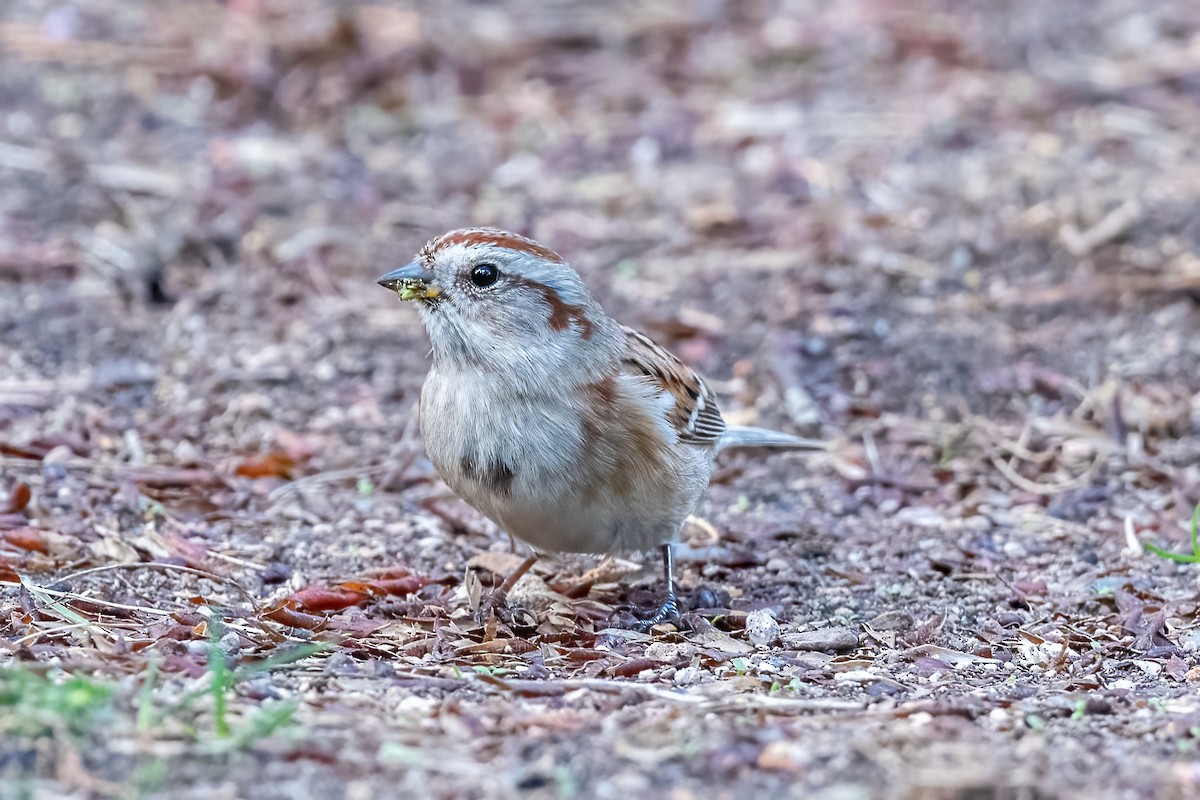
column 668, row 612
column 513, row 616
column 492, row 606
column 496, row 606
column 673, row 610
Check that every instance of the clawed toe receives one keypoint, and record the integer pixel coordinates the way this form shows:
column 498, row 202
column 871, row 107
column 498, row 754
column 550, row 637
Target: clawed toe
column 491, row 605
column 508, row 614
column 497, row 603
column 644, row 620
column 668, row 612
column 704, row 600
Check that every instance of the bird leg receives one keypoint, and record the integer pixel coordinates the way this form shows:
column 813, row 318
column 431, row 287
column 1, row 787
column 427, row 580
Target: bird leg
column 669, row 610
column 498, row 599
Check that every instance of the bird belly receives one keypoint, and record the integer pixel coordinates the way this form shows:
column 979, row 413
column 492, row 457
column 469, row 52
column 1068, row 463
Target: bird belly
column 580, row 522
column 553, row 515
column 609, row 513
column 553, row 477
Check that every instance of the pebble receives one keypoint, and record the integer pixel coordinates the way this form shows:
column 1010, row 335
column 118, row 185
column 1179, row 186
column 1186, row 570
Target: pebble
column 822, row 639
column 230, row 643
column 665, row 652
column 893, row 620
column 761, row 627
column 341, row 664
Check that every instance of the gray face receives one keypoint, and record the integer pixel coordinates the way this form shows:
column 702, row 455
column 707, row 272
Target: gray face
column 491, row 300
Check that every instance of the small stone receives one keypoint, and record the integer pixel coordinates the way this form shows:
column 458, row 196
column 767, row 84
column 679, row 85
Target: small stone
column 230, row 643
column 1151, row 668
column 801, row 407
column 57, row 455
column 784, row 755
column 920, row 517
column 816, row 346
column 1013, row 550
column 836, row 639
column 761, row 627
column 892, row 621
column 341, row 664
column 664, row 652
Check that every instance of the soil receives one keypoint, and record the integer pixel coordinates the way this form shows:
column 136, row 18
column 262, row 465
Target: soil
column 958, row 240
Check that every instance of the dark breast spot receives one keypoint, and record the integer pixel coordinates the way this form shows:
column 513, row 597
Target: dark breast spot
column 495, row 476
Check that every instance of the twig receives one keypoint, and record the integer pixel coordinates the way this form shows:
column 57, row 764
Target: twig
column 97, row 601
column 121, row 177
column 333, row 476
column 28, row 41
column 66, row 612
column 168, row 568
column 1112, row 226
column 732, row 703
column 29, row 637
column 1021, row 482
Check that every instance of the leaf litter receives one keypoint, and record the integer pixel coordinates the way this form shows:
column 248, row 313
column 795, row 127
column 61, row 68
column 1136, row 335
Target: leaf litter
column 224, row 557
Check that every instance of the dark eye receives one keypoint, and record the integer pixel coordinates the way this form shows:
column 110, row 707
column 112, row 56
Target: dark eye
column 484, row 275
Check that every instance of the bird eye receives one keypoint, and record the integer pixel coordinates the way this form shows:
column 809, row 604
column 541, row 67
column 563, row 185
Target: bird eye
column 484, row 275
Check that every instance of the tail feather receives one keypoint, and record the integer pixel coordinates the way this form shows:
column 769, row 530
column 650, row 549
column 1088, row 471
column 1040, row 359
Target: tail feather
column 737, row 436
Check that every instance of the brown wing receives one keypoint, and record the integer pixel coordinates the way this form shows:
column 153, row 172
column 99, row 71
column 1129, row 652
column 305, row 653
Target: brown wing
column 694, row 413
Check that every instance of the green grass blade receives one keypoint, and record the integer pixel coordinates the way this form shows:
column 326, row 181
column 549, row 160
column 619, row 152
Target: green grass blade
column 221, row 678
column 1182, row 558
column 145, row 712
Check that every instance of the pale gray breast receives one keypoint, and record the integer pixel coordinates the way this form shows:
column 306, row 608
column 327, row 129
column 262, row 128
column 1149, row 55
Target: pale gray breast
column 488, row 449
column 563, row 470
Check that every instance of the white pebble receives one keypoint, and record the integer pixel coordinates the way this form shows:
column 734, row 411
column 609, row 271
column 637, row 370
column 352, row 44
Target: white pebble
column 761, row 627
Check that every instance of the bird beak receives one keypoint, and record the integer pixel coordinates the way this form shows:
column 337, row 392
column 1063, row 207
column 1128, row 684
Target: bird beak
column 413, row 281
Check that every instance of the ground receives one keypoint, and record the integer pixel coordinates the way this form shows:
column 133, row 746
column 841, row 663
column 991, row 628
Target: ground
column 958, row 240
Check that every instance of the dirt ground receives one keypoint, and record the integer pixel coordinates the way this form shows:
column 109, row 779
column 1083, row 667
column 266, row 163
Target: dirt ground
column 960, row 240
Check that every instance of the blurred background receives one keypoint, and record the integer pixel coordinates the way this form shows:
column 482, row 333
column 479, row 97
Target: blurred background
column 930, row 209
column 958, row 238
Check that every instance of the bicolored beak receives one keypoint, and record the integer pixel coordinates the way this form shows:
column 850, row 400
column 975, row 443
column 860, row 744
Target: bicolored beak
column 413, row 281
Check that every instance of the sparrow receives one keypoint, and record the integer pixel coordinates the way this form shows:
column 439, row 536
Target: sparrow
column 572, row 432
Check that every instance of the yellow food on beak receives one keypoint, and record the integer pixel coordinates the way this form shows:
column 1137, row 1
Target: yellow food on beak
column 417, row 289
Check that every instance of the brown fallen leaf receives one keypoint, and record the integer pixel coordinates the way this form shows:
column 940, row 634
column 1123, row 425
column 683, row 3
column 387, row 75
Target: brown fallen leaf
column 271, row 465
column 27, row 539
column 633, row 667
column 171, row 478
column 286, row 613
column 510, row 645
column 329, row 598
column 400, row 586
column 356, row 626
column 18, row 498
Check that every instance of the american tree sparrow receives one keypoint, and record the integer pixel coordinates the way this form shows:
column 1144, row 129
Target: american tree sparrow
column 567, row 429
